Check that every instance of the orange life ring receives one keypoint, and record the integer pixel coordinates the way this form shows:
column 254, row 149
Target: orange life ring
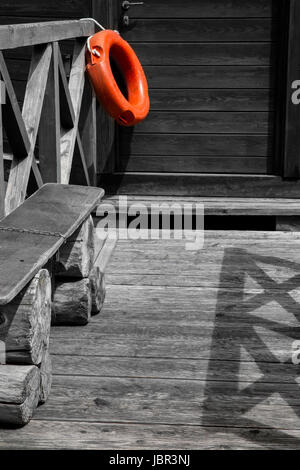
column 103, row 47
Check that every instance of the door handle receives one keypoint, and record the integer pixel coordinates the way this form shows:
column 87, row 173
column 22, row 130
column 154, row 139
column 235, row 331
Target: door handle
column 126, row 4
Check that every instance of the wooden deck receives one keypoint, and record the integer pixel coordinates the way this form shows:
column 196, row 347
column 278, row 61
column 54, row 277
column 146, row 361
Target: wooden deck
column 192, row 350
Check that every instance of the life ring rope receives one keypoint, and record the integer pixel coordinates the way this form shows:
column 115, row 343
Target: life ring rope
column 88, row 42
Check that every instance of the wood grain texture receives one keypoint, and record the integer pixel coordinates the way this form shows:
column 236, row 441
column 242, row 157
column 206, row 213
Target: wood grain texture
column 45, row 378
column 199, row 185
column 19, row 393
column 211, row 100
column 76, row 86
column 165, row 368
column 98, row 289
column 183, row 401
column 31, row 34
column 208, row 9
column 205, row 54
column 25, row 322
column 199, row 51
column 54, row 9
column 88, row 131
column 104, row 12
column 49, row 130
column 53, row 434
column 2, row 187
column 198, row 30
column 25, row 253
column 31, row 113
column 175, row 76
column 181, row 366
column 195, row 122
column 76, row 256
column 202, row 268
column 220, row 206
column 198, row 144
column 72, row 302
column 291, row 162
column 197, row 164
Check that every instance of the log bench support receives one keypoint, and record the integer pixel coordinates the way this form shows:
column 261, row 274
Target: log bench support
column 80, row 276
column 30, row 238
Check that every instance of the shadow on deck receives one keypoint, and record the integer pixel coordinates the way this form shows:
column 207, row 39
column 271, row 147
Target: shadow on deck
column 192, row 350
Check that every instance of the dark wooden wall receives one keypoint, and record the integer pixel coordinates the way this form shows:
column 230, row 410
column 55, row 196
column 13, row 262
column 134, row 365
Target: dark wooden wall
column 211, row 67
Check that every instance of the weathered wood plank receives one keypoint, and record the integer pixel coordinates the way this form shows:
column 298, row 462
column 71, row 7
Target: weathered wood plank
column 19, row 393
column 199, row 185
column 211, row 100
column 79, row 171
column 207, row 9
column 76, row 86
column 106, row 252
column 198, row 144
column 291, row 159
column 88, row 131
column 31, row 34
column 76, row 256
column 44, row 8
column 2, row 187
column 66, row 104
column 72, row 302
column 152, row 264
column 176, row 76
column 49, row 130
column 205, row 54
column 98, row 289
column 176, row 342
column 25, row 253
column 173, row 402
column 202, row 164
column 204, row 29
column 31, row 113
column 14, row 124
column 168, row 368
column 25, row 322
column 45, row 377
column 105, row 13
column 41, row 434
column 220, row 206
column 199, row 122
column 35, row 89
column 181, row 323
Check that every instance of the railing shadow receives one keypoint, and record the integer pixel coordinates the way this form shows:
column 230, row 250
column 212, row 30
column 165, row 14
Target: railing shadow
column 242, row 321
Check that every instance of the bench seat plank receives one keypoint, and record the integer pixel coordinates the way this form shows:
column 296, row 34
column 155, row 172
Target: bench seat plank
column 48, row 217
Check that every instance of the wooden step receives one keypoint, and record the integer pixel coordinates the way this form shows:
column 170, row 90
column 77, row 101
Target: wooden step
column 219, row 206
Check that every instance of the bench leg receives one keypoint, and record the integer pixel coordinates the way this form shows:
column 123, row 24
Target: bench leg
column 25, row 322
column 19, row 393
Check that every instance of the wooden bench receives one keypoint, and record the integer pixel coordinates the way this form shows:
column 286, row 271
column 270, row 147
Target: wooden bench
column 46, row 263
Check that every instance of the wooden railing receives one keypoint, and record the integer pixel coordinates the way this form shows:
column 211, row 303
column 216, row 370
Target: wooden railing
column 50, row 112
